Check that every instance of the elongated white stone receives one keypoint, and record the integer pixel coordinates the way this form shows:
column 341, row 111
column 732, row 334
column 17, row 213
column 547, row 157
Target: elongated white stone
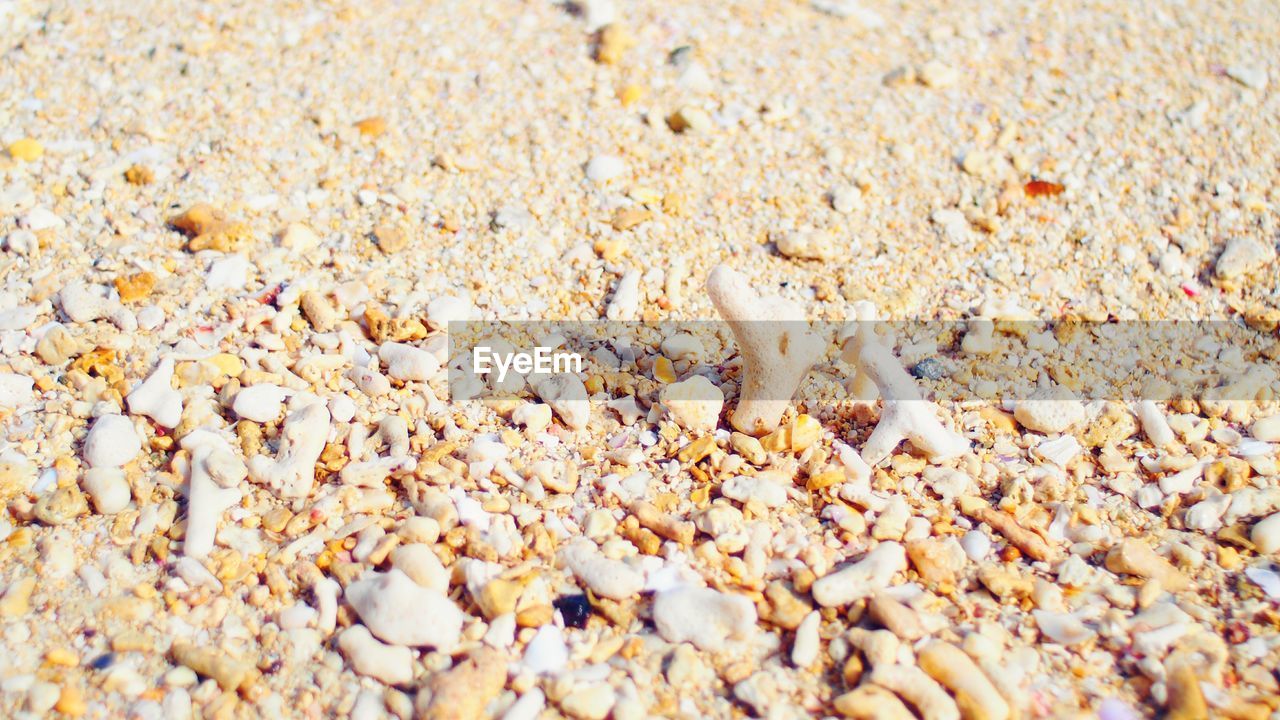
column 707, row 618
column 873, row 572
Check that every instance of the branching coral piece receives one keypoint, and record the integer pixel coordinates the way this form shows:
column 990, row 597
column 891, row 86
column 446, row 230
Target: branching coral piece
column 906, row 414
column 778, row 348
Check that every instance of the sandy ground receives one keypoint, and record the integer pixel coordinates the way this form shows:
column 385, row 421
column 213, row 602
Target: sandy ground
column 272, row 199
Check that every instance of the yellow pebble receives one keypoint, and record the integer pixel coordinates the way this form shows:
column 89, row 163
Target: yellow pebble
column 71, row 702
column 230, row 365
column 61, row 656
column 26, row 149
column 145, row 591
column 664, row 371
column 630, row 95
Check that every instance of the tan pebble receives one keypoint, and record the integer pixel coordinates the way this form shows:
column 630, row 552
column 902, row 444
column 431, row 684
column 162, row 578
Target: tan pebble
column 1135, row 557
column 786, row 609
column 690, row 119
column 17, row 598
column 462, row 692
column 628, row 217
column 614, row 41
column 61, row 506
column 229, row 673
column 1186, row 699
column 391, row 238
column 870, row 702
column 976, row 697
column 895, row 617
column 319, row 312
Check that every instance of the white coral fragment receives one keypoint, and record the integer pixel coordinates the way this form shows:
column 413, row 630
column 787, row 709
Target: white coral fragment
column 778, row 348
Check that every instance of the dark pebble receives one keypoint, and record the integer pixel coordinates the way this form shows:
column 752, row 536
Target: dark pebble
column 103, row 661
column 575, row 609
column 929, row 369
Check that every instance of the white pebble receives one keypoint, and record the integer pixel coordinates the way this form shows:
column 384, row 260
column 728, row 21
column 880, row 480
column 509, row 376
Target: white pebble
column 1253, row 78
column 546, row 653
column 603, row 168
column 84, row 303
column 111, row 442
column 390, row 664
column 694, row 404
column 613, row 579
column 805, row 650
column 761, row 489
column 108, row 489
column 156, row 398
column 15, row 390
column 406, row 362
column 260, row 403
column 707, row 618
column 1266, row 534
column 1266, row 429
column 393, row 606
column 873, row 572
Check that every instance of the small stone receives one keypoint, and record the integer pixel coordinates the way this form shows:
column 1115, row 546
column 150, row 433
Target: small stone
column 406, row 362
column 567, row 396
column 393, row 607
column 260, row 403
column 464, row 690
column 27, row 149
column 1266, row 535
column 760, row 489
column 1266, row 429
column 575, row 610
column 16, row 600
column 603, row 168
column 1135, row 557
column 391, row 238
column 936, row 74
column 139, row 175
column 1254, row 78
column 786, row 609
column 297, row 236
column 389, row 664
column 690, row 119
column 212, row 663
column 1050, row 412
column 614, row 41
column 135, row 287
column 1242, row 256
column 15, row 390
column 694, row 404
column 592, row 702
column 41, row 697
column 707, row 618
column 625, row 218
column 61, row 506
column 805, row 245
column 844, row 199
column 71, row 701
column 371, row 126
column 108, row 489
column 929, row 369
column 112, row 442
